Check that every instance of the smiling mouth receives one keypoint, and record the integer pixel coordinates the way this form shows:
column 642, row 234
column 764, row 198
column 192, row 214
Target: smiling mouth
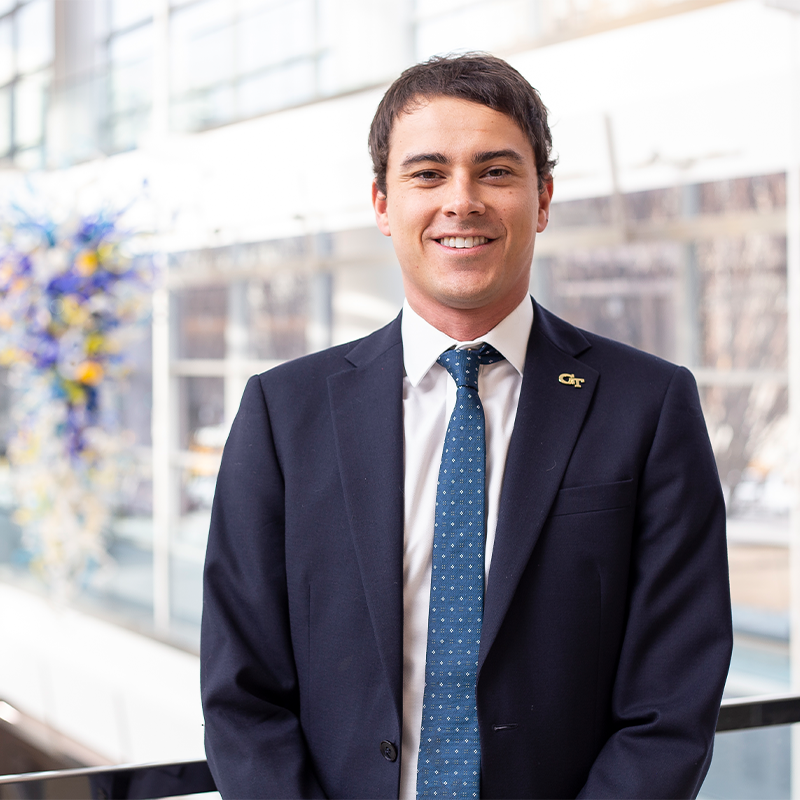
column 460, row 242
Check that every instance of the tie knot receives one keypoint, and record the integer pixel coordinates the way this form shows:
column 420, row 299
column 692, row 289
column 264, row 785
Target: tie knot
column 463, row 364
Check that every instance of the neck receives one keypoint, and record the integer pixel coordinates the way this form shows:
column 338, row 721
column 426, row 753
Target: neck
column 464, row 324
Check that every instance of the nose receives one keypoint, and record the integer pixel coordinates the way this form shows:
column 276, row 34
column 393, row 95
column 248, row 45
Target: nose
column 462, row 198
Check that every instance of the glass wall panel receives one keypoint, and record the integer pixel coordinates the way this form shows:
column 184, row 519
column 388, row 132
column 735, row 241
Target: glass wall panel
column 228, row 64
column 276, row 33
column 202, row 411
column 743, row 309
column 284, row 86
column 464, row 28
column 5, row 121
column 30, row 96
column 202, row 46
column 201, row 319
column 6, row 50
column 34, row 35
column 626, row 293
column 131, row 56
column 279, row 316
column 125, row 13
column 750, row 765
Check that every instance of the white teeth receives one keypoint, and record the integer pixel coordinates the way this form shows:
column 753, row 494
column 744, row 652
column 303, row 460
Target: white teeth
column 463, row 241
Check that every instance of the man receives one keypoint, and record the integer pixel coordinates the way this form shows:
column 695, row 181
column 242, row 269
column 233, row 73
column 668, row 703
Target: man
column 476, row 435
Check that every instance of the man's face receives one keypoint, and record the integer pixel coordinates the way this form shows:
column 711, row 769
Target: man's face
column 462, row 207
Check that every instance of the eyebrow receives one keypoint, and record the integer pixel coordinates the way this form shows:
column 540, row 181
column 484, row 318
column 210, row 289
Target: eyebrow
column 478, row 158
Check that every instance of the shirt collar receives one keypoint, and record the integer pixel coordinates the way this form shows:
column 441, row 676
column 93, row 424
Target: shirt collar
column 423, row 344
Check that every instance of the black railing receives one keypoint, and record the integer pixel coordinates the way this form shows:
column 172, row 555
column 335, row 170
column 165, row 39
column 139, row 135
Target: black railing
column 177, row 778
column 738, row 714
column 141, row 781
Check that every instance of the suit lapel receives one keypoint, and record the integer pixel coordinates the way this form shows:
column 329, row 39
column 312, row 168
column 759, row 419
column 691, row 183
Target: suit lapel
column 549, row 418
column 366, row 404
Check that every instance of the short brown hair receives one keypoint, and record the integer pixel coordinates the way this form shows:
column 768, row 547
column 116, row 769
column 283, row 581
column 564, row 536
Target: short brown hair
column 478, row 77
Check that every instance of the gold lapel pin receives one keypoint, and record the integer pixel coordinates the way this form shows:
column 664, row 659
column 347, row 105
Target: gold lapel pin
column 568, row 379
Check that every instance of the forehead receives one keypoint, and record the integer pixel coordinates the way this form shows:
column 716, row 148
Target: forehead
column 454, row 127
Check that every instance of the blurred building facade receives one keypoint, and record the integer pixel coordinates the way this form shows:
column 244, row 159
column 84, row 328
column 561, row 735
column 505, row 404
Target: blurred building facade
column 236, row 132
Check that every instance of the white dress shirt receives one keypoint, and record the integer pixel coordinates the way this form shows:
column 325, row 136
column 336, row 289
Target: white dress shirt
column 429, row 395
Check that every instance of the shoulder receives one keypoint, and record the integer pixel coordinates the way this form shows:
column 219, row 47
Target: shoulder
column 625, row 375
column 598, row 351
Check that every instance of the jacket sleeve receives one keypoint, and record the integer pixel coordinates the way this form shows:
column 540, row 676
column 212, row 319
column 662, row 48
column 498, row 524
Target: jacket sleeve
column 677, row 643
column 254, row 740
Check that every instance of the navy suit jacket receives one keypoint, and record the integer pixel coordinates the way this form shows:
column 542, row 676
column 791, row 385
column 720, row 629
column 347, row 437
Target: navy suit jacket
column 607, row 632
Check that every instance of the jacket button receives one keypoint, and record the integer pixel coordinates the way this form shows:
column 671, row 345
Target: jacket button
column 388, row 751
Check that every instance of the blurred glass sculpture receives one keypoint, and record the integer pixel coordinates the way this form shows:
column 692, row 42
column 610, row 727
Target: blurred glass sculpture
column 72, row 295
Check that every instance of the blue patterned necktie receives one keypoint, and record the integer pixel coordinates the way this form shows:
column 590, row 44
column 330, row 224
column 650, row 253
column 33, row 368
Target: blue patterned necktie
column 450, row 748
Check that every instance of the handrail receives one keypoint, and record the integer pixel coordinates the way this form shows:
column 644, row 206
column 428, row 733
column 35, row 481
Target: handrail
column 742, row 713
column 129, row 781
column 176, row 778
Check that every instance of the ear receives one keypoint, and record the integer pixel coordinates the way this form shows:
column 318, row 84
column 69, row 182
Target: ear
column 380, row 204
column 545, row 196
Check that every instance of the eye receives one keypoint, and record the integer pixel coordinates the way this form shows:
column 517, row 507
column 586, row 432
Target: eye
column 497, row 172
column 427, row 175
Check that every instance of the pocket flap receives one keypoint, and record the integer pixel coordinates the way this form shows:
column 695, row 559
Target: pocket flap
column 599, row 497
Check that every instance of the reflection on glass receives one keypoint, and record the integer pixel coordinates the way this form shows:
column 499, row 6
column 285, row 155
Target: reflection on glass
column 750, row 764
column 30, row 95
column 743, row 301
column 626, row 293
column 202, row 315
column 202, row 406
column 748, row 426
column 278, row 312
column 34, row 35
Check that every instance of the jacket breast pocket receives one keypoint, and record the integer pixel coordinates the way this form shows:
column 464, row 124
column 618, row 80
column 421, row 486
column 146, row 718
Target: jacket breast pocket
column 598, row 497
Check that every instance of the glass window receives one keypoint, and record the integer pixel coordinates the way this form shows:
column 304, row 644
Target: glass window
column 131, row 86
column 276, row 34
column 750, row 763
column 291, row 84
column 125, row 132
column 202, row 402
column 125, row 13
column 226, row 66
column 136, row 45
column 132, row 70
column 30, row 96
column 34, row 35
column 6, row 50
column 202, row 51
column 278, row 315
column 201, row 317
column 5, row 121
column 465, row 28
